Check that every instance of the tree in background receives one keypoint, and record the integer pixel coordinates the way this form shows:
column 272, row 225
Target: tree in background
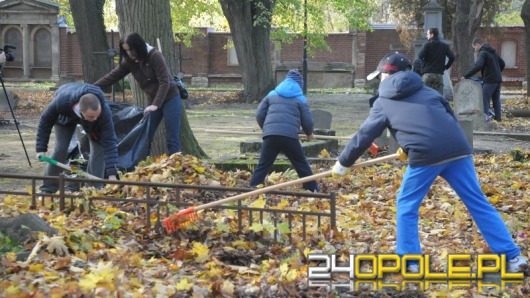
column 525, row 15
column 152, row 20
column 88, row 19
column 251, row 21
column 461, row 20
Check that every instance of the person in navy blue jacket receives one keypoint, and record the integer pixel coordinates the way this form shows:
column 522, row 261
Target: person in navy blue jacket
column 280, row 115
column 78, row 103
column 426, row 128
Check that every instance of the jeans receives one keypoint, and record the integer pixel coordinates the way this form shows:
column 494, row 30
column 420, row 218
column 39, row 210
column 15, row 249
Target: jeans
column 272, row 146
column 63, row 136
column 170, row 111
column 493, row 92
column 460, row 174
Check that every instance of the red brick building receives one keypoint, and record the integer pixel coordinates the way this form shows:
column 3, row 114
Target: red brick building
column 209, row 62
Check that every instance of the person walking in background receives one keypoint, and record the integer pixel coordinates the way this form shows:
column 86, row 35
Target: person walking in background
column 490, row 65
column 149, row 68
column 78, row 103
column 280, row 115
column 433, row 55
column 427, row 130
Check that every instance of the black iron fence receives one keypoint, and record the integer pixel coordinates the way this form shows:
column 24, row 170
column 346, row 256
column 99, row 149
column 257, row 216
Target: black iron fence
column 175, row 199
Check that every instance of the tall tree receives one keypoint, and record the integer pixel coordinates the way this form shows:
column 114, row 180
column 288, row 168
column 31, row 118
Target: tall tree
column 252, row 43
column 251, row 21
column 88, row 20
column 525, row 15
column 466, row 22
column 152, row 20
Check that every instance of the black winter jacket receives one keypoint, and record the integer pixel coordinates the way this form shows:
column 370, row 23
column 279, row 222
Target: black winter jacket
column 490, row 65
column 60, row 111
column 433, row 54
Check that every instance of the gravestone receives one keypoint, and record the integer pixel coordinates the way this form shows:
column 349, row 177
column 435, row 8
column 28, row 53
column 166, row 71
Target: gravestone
column 13, row 100
column 469, row 109
column 322, row 119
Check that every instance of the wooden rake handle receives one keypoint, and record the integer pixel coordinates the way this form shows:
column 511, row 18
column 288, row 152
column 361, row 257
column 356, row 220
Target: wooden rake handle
column 289, row 183
column 256, row 133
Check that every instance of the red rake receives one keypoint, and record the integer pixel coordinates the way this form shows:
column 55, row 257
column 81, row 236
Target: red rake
column 187, row 216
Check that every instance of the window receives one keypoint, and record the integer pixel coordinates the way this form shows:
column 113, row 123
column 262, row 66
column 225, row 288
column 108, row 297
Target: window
column 43, row 48
column 508, row 53
column 232, row 56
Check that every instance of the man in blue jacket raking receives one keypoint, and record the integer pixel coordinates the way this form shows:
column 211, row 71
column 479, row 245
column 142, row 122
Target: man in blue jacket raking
column 280, row 115
column 85, row 104
column 426, row 128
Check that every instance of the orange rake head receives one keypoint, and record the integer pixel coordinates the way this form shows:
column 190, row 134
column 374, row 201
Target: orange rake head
column 182, row 219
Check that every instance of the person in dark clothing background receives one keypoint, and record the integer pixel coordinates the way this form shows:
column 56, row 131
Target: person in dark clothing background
column 280, row 115
column 490, row 65
column 85, row 104
column 433, row 55
column 426, row 129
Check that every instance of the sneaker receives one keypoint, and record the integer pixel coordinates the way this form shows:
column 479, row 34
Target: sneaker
column 487, row 118
column 413, row 268
column 517, row 264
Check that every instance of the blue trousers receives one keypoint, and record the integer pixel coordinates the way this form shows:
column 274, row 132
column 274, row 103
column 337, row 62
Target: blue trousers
column 493, row 92
column 461, row 175
column 170, row 111
column 272, row 146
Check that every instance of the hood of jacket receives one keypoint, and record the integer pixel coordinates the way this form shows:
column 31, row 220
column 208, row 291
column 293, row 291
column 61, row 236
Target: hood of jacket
column 400, row 85
column 289, row 88
column 487, row 48
column 72, row 92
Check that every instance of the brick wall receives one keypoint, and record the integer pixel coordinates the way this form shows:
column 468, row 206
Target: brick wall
column 208, row 56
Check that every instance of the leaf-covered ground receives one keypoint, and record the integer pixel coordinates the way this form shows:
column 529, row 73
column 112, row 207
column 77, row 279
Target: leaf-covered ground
column 110, row 254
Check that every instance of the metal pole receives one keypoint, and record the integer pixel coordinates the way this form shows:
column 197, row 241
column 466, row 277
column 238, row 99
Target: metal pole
column 14, row 118
column 304, row 59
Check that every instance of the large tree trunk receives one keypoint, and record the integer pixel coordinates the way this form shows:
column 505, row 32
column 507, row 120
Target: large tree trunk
column 152, row 20
column 252, row 44
column 466, row 22
column 525, row 15
column 88, row 21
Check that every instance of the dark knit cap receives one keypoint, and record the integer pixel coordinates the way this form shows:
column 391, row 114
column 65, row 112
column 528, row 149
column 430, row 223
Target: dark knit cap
column 295, row 75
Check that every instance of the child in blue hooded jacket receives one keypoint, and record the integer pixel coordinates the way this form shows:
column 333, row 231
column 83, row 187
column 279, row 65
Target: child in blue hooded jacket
column 280, row 115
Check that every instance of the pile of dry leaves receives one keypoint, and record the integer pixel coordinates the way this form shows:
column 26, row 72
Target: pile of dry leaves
column 110, row 254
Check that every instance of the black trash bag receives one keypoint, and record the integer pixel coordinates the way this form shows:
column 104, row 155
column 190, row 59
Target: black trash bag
column 134, row 147
column 132, row 130
column 131, row 127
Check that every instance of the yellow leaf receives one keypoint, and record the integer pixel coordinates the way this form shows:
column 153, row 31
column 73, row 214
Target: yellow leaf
column 307, row 250
column 240, row 244
column 36, row 268
column 200, row 251
column 516, row 186
column 89, row 281
column 324, row 154
column 184, row 285
column 259, row 203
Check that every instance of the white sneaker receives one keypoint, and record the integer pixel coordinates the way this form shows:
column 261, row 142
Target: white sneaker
column 517, row 264
column 413, row 268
